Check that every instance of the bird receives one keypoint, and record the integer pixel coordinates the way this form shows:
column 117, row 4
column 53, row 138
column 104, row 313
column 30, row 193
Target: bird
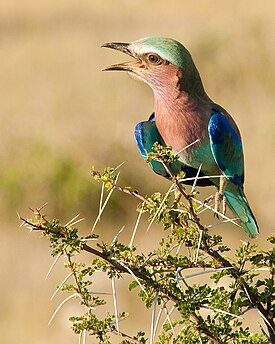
column 202, row 133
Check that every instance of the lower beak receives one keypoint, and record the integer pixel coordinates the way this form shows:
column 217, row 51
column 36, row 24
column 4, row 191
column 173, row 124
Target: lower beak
column 125, row 48
column 126, row 66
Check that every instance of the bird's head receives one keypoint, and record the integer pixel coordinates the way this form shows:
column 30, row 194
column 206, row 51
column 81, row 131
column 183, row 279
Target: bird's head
column 162, row 63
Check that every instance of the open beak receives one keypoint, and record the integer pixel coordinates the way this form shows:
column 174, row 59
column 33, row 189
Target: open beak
column 125, row 48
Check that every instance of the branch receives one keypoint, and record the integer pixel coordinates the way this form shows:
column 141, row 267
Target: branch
column 224, row 262
column 158, row 287
column 115, row 264
column 126, row 336
column 132, row 193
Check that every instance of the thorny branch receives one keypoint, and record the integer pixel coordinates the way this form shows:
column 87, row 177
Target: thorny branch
column 132, row 193
column 115, row 264
column 142, row 274
column 214, row 254
column 159, row 287
column 126, row 336
column 95, row 252
column 224, row 262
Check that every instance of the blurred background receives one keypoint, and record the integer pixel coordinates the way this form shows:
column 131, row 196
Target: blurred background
column 60, row 115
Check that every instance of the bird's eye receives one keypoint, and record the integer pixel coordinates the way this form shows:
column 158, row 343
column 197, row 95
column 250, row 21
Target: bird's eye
column 154, row 59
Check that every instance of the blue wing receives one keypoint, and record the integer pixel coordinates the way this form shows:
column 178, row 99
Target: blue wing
column 226, row 147
column 147, row 134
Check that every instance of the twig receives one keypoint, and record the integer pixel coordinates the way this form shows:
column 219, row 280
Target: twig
column 136, row 227
column 53, row 264
column 61, row 304
column 115, row 302
column 132, row 193
column 153, row 319
column 124, row 335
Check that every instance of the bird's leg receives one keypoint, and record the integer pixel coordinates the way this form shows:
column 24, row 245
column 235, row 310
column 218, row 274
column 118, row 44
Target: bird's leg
column 219, row 197
column 224, row 205
column 177, row 199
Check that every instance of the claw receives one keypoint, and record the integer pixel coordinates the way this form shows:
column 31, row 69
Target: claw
column 208, row 199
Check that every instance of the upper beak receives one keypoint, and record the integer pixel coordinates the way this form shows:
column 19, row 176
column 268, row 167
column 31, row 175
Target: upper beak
column 125, row 48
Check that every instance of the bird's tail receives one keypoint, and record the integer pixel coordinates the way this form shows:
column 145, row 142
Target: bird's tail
column 238, row 204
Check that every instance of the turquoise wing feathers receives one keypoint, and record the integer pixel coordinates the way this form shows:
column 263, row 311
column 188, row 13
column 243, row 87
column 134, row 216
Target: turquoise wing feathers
column 147, row 134
column 226, row 147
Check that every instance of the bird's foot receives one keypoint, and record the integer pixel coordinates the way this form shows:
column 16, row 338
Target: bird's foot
column 208, row 199
column 220, row 198
column 220, row 202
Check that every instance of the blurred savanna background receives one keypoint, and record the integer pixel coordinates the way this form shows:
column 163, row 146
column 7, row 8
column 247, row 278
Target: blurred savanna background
column 60, row 115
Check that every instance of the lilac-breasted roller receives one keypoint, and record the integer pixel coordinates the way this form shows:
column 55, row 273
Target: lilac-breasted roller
column 184, row 116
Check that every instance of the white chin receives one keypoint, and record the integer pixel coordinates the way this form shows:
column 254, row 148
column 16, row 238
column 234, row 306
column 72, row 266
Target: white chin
column 135, row 76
